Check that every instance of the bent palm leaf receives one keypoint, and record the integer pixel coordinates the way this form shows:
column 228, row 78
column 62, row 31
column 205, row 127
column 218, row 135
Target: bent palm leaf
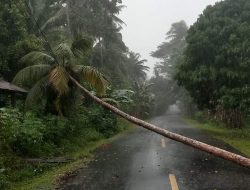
column 57, row 19
column 59, row 79
column 31, row 74
column 64, row 53
column 36, row 93
column 36, row 57
column 81, row 46
column 93, row 77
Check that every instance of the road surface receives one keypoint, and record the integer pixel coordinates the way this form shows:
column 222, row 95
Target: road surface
column 146, row 161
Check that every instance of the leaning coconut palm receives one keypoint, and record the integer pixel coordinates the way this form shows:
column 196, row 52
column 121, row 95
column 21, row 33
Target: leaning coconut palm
column 46, row 74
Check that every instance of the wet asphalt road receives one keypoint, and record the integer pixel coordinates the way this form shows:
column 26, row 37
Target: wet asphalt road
column 144, row 161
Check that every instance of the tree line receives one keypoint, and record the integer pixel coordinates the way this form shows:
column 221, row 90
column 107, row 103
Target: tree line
column 207, row 65
column 215, row 63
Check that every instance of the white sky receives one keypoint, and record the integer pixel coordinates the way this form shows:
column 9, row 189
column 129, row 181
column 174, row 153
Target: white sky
column 149, row 20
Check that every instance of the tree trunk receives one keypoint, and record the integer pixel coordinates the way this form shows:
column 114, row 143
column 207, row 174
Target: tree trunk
column 68, row 18
column 101, row 51
column 232, row 118
column 240, row 160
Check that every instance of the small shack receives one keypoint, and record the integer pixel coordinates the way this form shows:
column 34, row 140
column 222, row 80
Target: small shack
column 7, row 88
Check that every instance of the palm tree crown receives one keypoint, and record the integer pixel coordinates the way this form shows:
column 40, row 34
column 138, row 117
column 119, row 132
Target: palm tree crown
column 136, row 68
column 52, row 70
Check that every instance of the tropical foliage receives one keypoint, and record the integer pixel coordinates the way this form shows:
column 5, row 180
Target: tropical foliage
column 170, row 52
column 136, row 67
column 143, row 99
column 43, row 44
column 215, row 70
column 46, row 72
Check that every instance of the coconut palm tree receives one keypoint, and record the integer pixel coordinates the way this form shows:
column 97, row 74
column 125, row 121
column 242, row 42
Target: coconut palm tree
column 48, row 17
column 170, row 51
column 69, row 17
column 136, row 67
column 46, row 74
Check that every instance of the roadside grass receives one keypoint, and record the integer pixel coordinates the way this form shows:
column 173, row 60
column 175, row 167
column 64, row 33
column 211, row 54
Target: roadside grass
column 81, row 156
column 237, row 138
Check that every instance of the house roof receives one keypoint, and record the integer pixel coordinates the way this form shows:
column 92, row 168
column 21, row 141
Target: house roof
column 4, row 85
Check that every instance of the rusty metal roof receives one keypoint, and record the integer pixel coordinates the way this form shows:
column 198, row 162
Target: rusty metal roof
column 4, row 85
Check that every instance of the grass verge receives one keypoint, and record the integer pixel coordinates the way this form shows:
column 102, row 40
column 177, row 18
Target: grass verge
column 237, row 138
column 81, row 156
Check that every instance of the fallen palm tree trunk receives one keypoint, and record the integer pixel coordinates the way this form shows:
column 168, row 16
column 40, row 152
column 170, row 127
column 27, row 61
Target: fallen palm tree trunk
column 238, row 159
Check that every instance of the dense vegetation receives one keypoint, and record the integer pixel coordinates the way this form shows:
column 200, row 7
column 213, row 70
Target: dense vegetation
column 215, row 68
column 45, row 42
column 206, row 66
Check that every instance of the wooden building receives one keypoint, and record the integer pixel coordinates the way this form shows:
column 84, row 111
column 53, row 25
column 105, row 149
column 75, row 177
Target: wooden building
column 8, row 89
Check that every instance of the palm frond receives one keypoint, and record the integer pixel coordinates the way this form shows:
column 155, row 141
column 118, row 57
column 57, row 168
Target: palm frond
column 118, row 21
column 81, row 46
column 31, row 74
column 63, row 52
column 57, row 17
column 77, row 68
column 120, row 7
column 141, row 62
column 36, row 93
column 36, row 57
column 56, row 34
column 94, row 78
column 59, row 79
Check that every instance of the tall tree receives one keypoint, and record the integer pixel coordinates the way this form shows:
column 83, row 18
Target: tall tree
column 60, row 19
column 12, row 29
column 136, row 68
column 100, row 20
column 216, row 66
column 164, row 94
column 170, row 52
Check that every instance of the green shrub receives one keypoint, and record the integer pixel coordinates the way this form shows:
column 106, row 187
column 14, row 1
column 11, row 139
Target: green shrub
column 10, row 122
column 56, row 129
column 103, row 120
column 4, row 183
column 80, row 120
column 28, row 135
column 199, row 116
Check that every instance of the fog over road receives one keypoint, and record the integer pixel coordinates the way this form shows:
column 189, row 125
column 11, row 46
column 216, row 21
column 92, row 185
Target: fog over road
column 146, row 161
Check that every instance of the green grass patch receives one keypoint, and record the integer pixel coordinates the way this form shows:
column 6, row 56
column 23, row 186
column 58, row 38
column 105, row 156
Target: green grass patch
column 80, row 154
column 237, row 138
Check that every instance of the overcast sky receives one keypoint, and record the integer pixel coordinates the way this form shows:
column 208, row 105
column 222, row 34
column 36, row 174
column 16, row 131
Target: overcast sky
column 149, row 20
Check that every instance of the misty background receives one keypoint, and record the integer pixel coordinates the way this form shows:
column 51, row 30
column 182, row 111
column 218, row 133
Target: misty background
column 147, row 22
